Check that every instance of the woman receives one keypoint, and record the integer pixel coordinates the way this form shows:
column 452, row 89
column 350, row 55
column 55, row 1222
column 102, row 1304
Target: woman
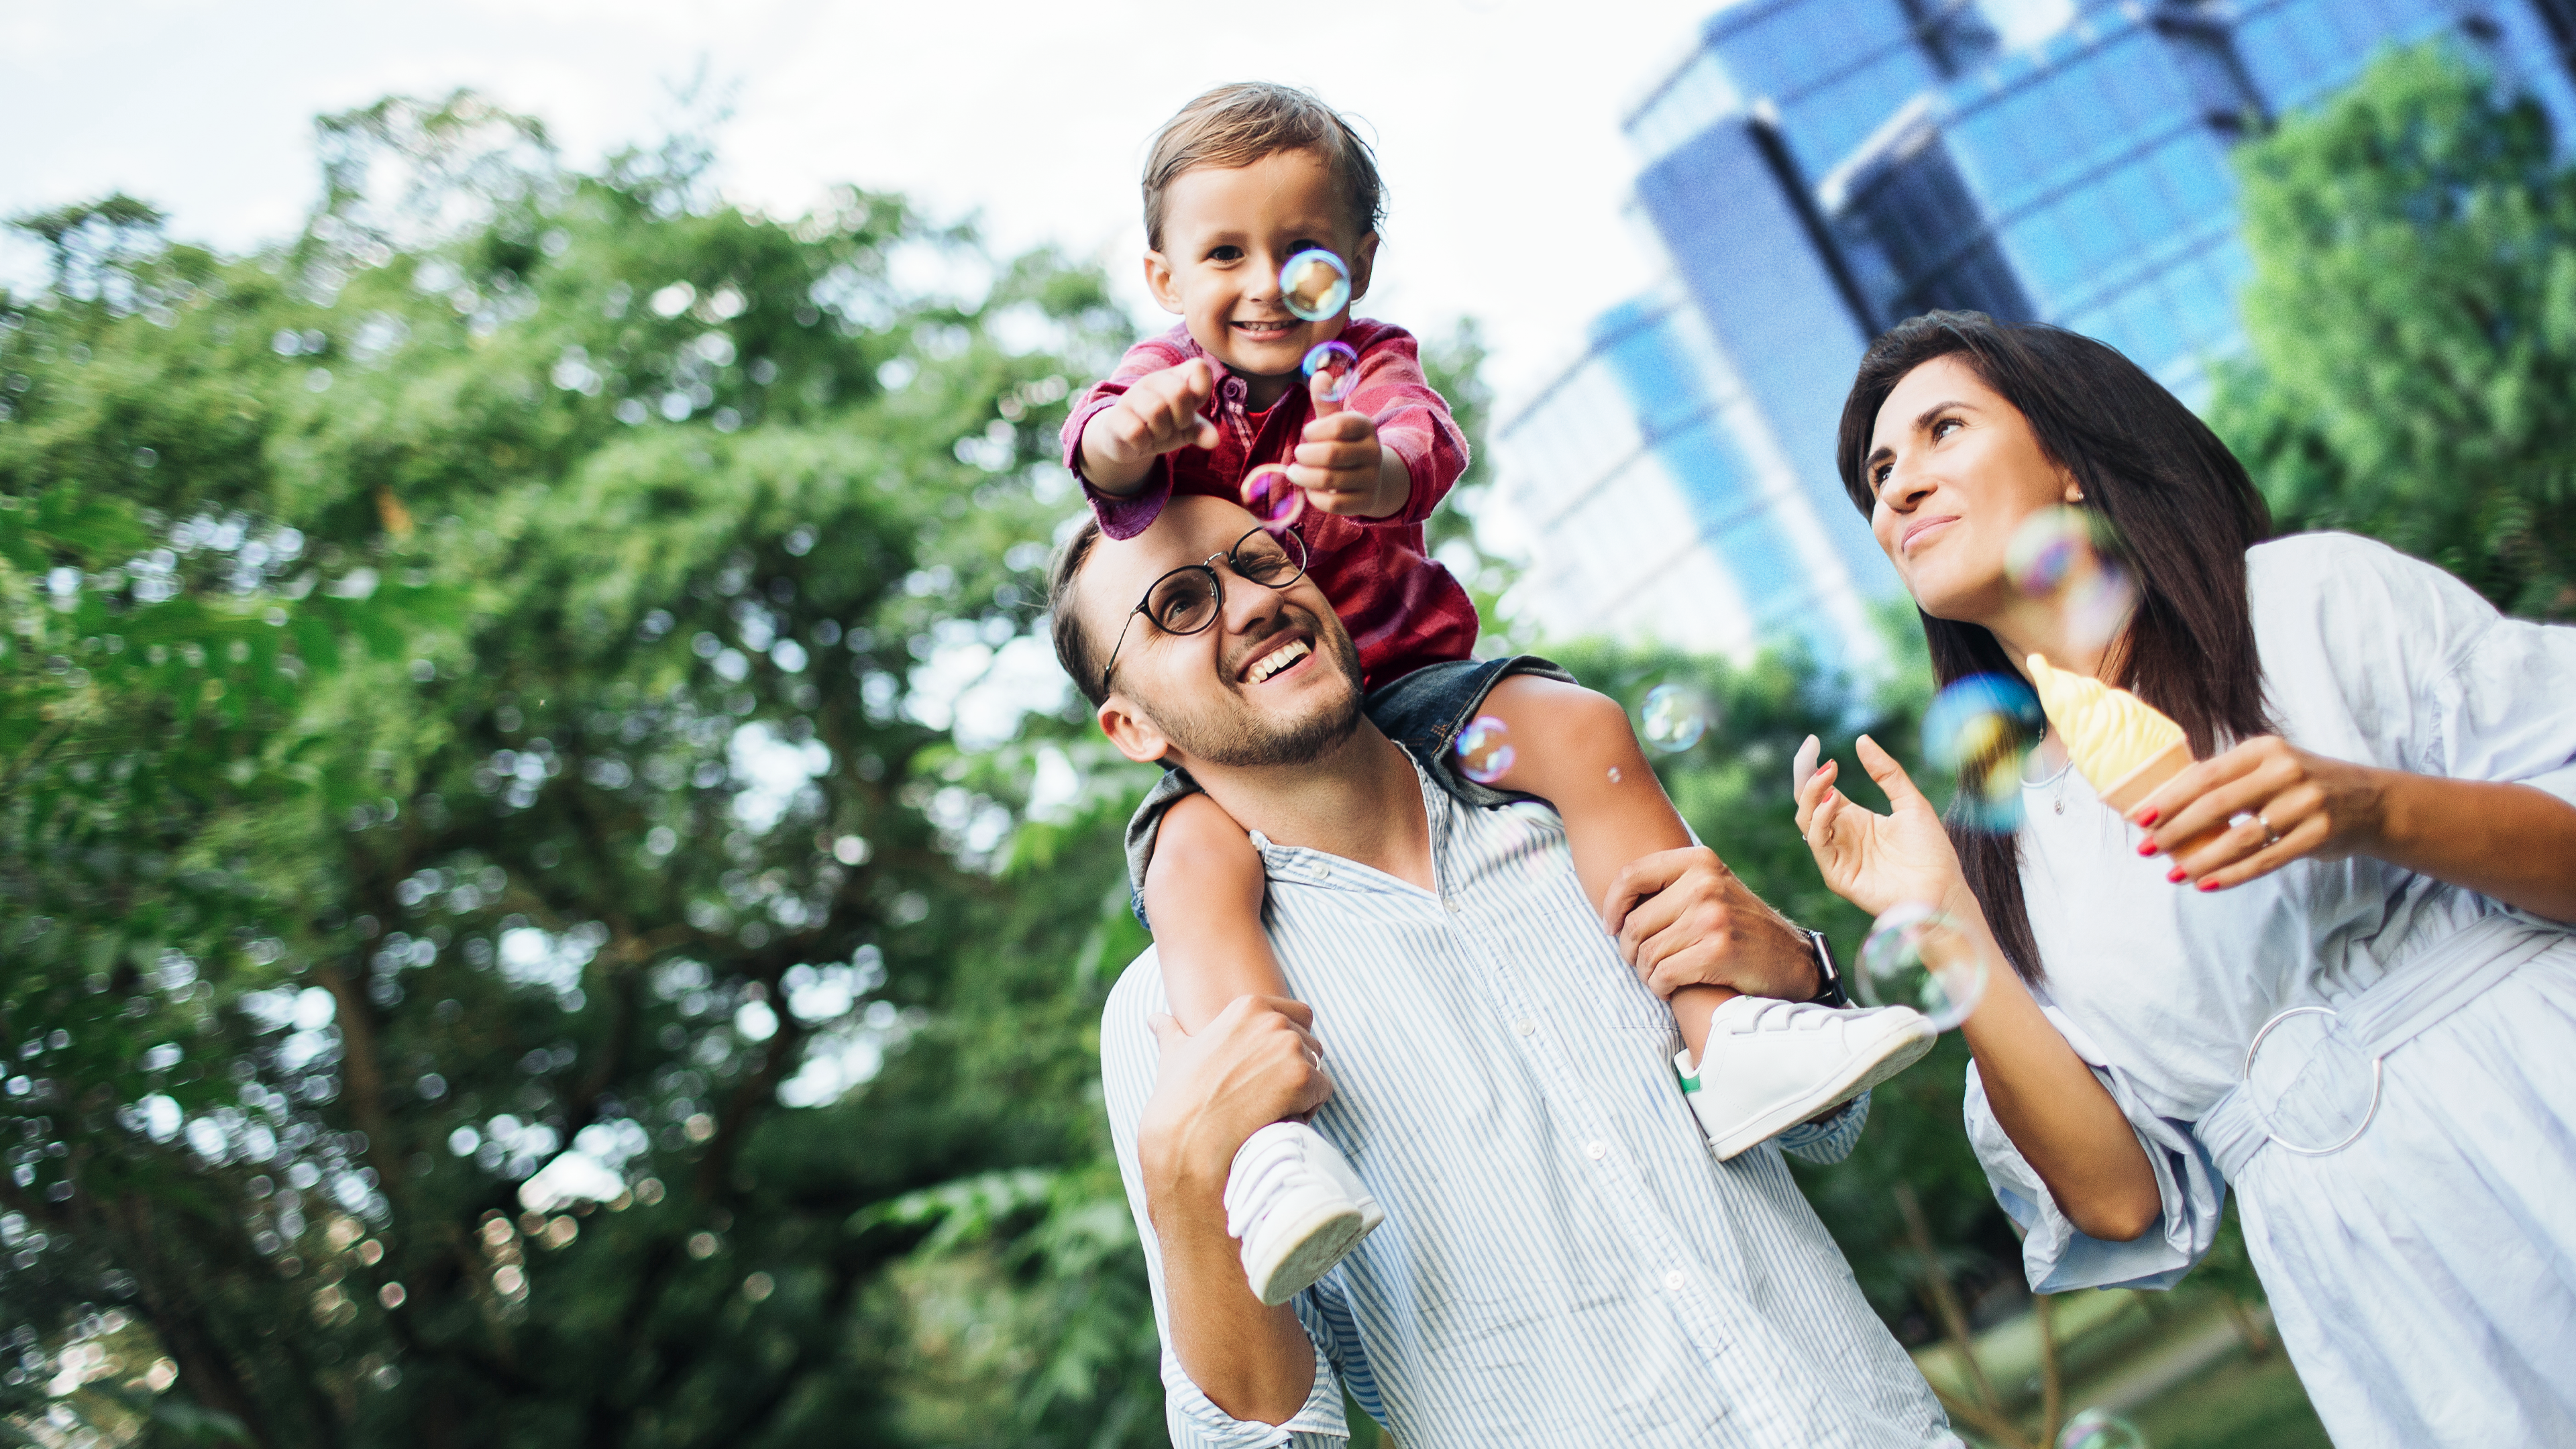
column 2387, row 766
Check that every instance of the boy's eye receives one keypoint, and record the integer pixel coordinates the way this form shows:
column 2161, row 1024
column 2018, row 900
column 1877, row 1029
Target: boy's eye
column 1226, row 254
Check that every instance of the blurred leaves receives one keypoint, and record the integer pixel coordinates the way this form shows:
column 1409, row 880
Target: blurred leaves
column 478, row 694
column 2413, row 321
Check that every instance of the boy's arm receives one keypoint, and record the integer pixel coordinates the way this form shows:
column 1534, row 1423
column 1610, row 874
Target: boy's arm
column 1412, row 422
column 1115, row 437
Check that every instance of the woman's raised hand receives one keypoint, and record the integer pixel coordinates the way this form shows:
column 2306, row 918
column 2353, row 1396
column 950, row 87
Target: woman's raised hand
column 1876, row 861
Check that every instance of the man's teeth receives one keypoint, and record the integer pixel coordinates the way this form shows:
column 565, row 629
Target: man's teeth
column 1280, row 658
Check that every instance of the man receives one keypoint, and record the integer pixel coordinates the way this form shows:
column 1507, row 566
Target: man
column 1563, row 1261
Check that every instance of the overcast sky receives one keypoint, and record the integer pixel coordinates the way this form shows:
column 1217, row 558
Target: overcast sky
column 1496, row 121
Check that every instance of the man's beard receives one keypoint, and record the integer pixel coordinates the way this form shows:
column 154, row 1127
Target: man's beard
column 1228, row 735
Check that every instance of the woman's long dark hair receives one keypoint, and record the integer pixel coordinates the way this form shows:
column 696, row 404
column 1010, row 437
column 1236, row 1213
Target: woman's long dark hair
column 2180, row 513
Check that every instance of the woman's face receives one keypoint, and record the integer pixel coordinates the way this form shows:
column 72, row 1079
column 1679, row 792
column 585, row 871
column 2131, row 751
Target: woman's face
column 1956, row 469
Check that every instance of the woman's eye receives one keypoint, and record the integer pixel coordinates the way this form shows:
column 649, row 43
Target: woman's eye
column 1945, row 428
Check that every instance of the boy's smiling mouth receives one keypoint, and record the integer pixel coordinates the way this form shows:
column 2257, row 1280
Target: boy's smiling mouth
column 1264, row 331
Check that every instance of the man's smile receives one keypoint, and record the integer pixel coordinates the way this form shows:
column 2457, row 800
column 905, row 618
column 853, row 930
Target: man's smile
column 1291, row 652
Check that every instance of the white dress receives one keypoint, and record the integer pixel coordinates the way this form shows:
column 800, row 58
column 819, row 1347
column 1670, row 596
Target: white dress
column 2424, row 1276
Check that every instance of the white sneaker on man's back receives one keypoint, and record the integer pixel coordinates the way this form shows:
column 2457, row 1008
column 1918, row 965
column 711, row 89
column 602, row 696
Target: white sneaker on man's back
column 1771, row 1065
column 1297, row 1208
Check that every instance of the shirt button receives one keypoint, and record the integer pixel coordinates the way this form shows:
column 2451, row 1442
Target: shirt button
column 1323, row 871
column 1524, row 1026
column 1452, row 903
column 1594, row 1150
column 1674, row 1280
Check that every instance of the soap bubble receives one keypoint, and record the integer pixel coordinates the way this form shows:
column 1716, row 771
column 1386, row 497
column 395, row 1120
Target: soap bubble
column 2100, row 1429
column 1273, row 497
column 2053, row 555
column 1672, row 719
column 1917, row 957
column 2098, row 607
column 1981, row 729
column 2052, row 545
column 1338, row 365
column 1484, row 750
column 1315, row 285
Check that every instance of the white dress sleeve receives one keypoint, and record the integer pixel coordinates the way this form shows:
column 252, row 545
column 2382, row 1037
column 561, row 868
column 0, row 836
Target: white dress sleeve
column 2430, row 677
column 2056, row 1255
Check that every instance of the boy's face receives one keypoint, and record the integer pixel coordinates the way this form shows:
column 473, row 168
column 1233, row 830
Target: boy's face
column 1226, row 234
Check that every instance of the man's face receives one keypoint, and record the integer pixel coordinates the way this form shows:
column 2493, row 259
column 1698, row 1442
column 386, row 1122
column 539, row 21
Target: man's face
column 1274, row 681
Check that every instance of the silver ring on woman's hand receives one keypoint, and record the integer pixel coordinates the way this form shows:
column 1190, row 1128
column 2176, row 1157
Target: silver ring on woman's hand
column 2271, row 837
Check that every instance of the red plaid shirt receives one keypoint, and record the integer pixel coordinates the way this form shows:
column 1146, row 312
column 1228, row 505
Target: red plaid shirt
column 1403, row 609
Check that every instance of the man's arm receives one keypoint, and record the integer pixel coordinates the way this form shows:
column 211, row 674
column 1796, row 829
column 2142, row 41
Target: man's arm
column 1256, row 1063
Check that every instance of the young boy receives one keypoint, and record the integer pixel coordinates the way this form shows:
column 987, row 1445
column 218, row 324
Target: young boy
column 1241, row 180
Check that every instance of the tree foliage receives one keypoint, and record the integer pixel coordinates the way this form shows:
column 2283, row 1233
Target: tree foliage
column 2412, row 316
column 479, row 682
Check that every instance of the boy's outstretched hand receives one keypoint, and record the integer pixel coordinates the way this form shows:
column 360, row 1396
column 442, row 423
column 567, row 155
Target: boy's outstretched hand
column 1157, row 414
column 1342, row 468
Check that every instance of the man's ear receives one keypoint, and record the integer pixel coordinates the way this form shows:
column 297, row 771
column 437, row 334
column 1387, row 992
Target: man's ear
column 1136, row 737
column 1158, row 280
column 1363, row 264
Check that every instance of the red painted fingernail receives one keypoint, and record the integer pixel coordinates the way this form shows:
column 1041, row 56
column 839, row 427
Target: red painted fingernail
column 2209, row 885
column 2148, row 819
column 2176, row 875
column 2146, row 847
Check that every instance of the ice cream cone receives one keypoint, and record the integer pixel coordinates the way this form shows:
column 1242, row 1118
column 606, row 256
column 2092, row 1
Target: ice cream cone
column 2131, row 789
column 2125, row 792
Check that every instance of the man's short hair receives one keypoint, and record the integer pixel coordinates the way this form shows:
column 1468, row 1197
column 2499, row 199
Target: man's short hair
column 1236, row 125
column 1073, row 648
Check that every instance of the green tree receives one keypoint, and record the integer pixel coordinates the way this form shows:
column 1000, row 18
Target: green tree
column 479, row 685
column 2412, row 316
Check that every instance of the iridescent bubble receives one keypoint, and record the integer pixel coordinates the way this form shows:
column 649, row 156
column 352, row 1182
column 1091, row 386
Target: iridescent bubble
column 1273, row 498
column 2051, row 546
column 1484, row 750
column 2098, row 606
column 1917, row 957
column 2100, row 1429
column 1614, row 774
column 1673, row 718
column 1315, row 285
column 1338, row 365
column 1981, row 730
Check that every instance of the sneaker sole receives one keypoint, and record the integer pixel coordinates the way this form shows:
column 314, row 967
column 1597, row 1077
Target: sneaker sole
column 1859, row 1077
column 1308, row 1251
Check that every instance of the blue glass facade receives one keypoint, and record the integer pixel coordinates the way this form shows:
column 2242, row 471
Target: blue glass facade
column 1820, row 169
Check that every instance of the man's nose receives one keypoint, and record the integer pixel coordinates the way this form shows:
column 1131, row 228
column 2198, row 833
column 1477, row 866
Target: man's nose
column 1250, row 608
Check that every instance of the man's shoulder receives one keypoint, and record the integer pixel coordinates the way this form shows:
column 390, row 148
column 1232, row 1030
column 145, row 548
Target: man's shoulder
column 1127, row 1051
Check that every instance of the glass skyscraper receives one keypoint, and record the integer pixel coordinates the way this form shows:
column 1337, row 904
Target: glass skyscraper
column 1819, row 169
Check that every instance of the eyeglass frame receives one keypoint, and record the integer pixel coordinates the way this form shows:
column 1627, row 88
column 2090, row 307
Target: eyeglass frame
column 1216, row 586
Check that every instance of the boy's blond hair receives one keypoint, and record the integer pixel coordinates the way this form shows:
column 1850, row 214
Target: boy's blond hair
column 1239, row 124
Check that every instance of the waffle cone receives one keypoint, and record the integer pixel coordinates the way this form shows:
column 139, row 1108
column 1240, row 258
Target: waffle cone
column 2130, row 789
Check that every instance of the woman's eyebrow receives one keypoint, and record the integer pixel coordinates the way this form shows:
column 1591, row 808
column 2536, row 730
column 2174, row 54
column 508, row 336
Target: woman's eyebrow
column 1924, row 419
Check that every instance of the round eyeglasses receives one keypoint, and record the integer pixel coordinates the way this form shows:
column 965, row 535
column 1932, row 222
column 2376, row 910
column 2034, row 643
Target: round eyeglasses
column 1188, row 599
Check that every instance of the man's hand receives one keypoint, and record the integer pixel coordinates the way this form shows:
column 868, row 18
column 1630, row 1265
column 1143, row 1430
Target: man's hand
column 1341, row 466
column 1684, row 919
column 1157, row 414
column 1256, row 1063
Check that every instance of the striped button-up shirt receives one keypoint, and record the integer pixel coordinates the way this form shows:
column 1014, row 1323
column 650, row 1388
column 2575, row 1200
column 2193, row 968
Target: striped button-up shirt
column 1563, row 1261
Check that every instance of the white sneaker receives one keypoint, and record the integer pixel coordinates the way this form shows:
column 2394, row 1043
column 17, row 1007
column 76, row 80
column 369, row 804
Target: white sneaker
column 1297, row 1208
column 1771, row 1065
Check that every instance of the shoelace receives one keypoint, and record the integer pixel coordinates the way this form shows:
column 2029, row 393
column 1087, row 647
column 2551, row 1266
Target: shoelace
column 1276, row 1168
column 1785, row 1016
